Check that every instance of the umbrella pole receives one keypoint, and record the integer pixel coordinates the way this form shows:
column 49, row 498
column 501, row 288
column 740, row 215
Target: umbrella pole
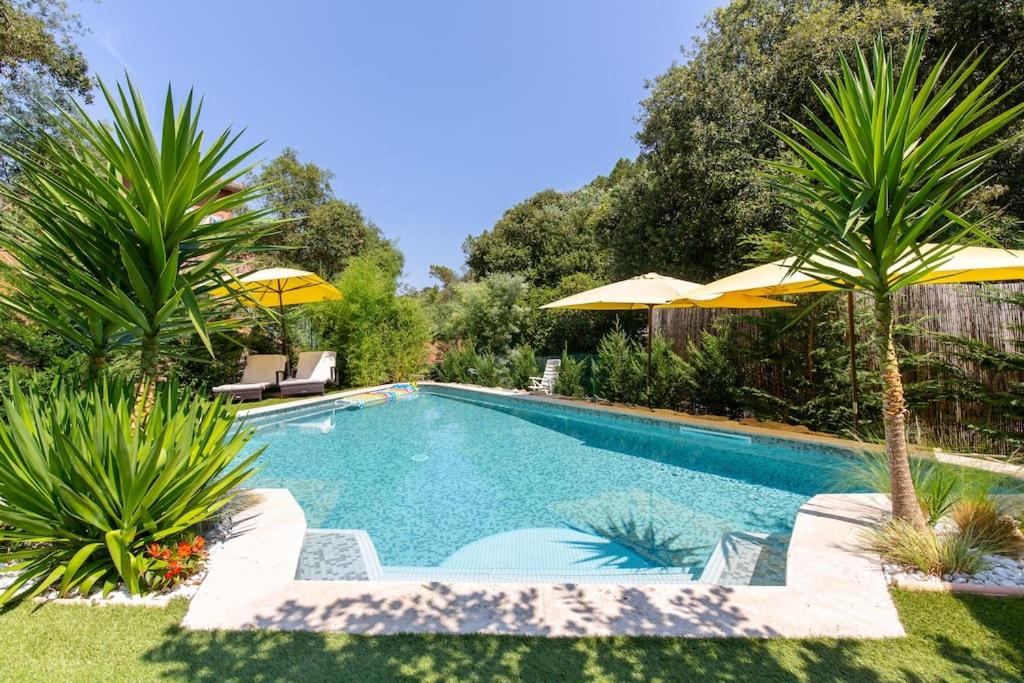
column 650, row 339
column 284, row 332
column 852, row 334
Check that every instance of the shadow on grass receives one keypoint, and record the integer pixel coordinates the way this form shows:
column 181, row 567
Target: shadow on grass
column 969, row 638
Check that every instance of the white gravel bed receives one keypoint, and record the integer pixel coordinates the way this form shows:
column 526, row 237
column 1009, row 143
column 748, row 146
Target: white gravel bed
column 1000, row 571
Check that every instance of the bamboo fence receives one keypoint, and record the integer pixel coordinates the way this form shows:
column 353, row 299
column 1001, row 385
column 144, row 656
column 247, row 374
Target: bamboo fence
column 961, row 310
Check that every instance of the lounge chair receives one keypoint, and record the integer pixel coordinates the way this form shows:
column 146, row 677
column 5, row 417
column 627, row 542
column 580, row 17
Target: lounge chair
column 262, row 371
column 546, row 383
column 314, row 370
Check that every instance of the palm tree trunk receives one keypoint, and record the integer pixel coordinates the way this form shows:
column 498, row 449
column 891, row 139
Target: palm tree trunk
column 97, row 364
column 904, row 499
column 150, row 368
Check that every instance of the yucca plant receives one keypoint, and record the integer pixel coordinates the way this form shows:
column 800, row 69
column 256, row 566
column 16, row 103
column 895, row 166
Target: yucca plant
column 83, row 489
column 122, row 229
column 885, row 171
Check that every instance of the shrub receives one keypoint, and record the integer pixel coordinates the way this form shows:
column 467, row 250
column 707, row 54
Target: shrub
column 522, row 365
column 176, row 562
column 378, row 335
column 668, row 374
column 711, row 379
column 983, row 519
column 486, row 370
column 618, row 372
column 571, row 376
column 900, row 542
column 455, row 364
column 939, row 486
column 84, row 491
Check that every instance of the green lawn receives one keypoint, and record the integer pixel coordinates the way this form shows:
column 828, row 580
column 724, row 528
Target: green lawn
column 951, row 638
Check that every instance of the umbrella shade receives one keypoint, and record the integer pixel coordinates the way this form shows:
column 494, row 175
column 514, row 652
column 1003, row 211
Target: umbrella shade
column 281, row 287
column 967, row 264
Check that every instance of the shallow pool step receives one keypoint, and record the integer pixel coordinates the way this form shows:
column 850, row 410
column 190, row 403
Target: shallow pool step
column 748, row 559
column 337, row 555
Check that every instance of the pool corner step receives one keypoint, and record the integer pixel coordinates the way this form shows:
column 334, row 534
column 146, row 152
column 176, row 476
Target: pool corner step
column 338, row 555
column 747, row 558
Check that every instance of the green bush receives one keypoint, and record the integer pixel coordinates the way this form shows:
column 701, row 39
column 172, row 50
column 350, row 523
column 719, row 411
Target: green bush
column 455, row 364
column 668, row 374
column 900, row 542
column 487, row 371
column 489, row 313
column 83, row 490
column 571, row 377
column 939, row 486
column 522, row 365
column 618, row 370
column 378, row 335
column 710, row 377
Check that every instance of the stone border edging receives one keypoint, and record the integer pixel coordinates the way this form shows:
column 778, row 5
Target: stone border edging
column 966, row 588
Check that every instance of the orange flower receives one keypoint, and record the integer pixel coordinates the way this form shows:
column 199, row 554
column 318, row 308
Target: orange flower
column 166, row 554
column 154, row 550
column 184, row 549
column 199, row 544
column 173, row 569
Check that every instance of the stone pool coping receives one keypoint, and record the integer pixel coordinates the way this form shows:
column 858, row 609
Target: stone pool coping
column 721, row 424
column 664, row 415
column 834, row 589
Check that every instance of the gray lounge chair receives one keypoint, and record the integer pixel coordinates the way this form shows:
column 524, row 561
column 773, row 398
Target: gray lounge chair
column 262, row 371
column 314, row 370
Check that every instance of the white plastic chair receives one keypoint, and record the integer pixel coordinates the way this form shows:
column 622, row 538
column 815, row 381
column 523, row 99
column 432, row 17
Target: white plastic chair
column 546, row 383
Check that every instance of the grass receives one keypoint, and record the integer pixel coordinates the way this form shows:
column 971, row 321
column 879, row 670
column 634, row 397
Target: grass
column 950, row 638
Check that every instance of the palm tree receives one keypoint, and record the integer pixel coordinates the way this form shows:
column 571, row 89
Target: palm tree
column 123, row 223
column 886, row 170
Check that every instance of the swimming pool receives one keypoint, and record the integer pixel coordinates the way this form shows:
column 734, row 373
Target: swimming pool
column 460, row 484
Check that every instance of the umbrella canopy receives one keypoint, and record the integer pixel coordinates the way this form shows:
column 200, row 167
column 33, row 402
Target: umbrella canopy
column 636, row 293
column 281, row 287
column 964, row 264
column 650, row 291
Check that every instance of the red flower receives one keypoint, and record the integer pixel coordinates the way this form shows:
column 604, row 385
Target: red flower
column 184, row 549
column 173, row 569
column 199, row 544
column 154, row 550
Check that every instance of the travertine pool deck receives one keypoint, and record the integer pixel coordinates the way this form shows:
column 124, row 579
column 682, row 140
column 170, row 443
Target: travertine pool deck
column 834, row 588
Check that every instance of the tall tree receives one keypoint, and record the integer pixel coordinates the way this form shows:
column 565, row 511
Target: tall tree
column 319, row 232
column 39, row 64
column 884, row 171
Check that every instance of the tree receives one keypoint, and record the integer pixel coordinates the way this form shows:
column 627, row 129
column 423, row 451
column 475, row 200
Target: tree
column 884, row 171
column 489, row 313
column 320, row 232
column 39, row 64
column 128, row 216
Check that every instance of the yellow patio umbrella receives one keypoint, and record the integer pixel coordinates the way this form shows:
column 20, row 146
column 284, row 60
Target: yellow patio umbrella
column 650, row 291
column 281, row 287
column 963, row 264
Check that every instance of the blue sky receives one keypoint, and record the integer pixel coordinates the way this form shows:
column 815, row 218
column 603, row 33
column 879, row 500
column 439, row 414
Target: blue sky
column 435, row 116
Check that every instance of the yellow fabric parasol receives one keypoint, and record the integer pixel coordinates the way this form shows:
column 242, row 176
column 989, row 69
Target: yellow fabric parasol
column 281, row 287
column 650, row 291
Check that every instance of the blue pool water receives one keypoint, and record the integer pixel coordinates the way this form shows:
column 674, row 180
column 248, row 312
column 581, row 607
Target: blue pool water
column 468, row 483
